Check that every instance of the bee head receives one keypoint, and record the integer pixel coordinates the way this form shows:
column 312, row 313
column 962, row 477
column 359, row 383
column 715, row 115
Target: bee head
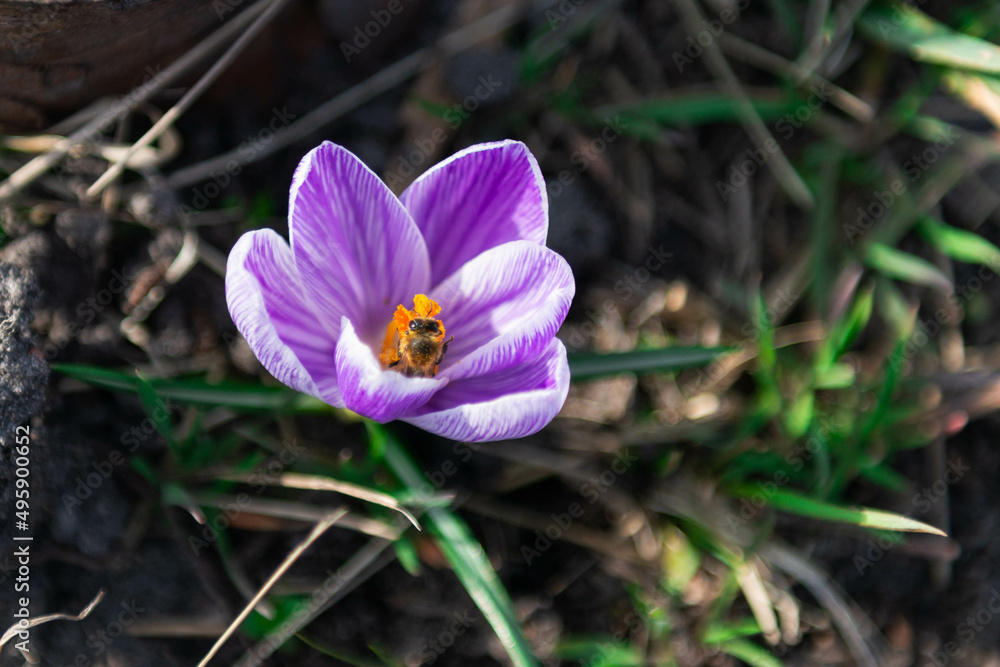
column 425, row 325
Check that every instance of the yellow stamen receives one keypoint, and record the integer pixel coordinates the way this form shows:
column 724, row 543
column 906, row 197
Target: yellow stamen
column 389, row 354
column 423, row 306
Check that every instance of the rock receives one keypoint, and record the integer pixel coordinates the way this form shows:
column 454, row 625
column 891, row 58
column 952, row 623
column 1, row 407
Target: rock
column 23, row 371
column 23, row 377
column 85, row 231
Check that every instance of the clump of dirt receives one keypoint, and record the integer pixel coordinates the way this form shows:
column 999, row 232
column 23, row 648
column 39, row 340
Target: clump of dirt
column 23, row 371
column 23, row 377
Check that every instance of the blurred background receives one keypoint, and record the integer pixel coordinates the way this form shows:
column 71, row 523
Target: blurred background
column 779, row 445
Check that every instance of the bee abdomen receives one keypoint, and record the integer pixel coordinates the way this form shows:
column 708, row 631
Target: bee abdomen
column 423, row 351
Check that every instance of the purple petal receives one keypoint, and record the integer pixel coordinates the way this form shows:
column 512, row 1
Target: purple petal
column 481, row 197
column 502, row 307
column 267, row 304
column 371, row 391
column 511, row 403
column 357, row 248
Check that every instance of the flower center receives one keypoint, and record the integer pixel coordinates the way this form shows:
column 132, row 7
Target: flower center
column 414, row 341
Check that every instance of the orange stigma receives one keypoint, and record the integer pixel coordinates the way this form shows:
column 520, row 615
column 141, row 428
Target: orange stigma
column 423, row 306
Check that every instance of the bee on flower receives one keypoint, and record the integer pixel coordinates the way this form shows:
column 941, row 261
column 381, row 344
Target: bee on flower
column 476, row 357
column 414, row 341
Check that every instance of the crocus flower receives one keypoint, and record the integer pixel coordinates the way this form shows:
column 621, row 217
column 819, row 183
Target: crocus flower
column 330, row 316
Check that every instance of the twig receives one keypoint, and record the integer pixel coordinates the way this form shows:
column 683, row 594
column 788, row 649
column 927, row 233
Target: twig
column 752, row 585
column 293, row 480
column 364, row 563
column 332, row 109
column 814, row 28
column 846, row 14
column 760, row 57
column 819, row 584
column 118, row 166
column 27, row 174
column 789, row 179
column 38, row 620
column 318, row 530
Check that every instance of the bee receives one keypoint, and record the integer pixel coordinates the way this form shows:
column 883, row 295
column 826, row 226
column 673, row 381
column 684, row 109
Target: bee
column 421, row 348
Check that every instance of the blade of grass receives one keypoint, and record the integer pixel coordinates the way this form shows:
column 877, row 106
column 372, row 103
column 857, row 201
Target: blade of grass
column 959, row 244
column 907, row 29
column 769, row 393
column 906, row 267
column 463, row 552
column 750, row 653
column 979, row 91
column 799, row 413
column 866, row 517
column 681, row 561
column 585, row 365
column 893, row 308
column 847, row 329
column 723, row 632
column 599, row 652
column 199, row 392
column 824, row 226
column 157, row 411
column 893, row 366
column 834, row 376
column 406, row 554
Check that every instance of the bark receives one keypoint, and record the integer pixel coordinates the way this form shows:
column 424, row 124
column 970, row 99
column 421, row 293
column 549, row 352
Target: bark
column 56, row 57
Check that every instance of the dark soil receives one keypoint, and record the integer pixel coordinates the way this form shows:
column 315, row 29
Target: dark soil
column 69, row 275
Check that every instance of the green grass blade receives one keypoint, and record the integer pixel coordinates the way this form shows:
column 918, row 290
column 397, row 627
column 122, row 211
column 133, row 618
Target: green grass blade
column 585, row 365
column 866, row 517
column 906, row 267
column 463, row 552
column 599, row 652
column 799, row 414
column 824, row 224
column 157, row 411
column 406, row 554
column 199, row 392
column 846, row 331
column 959, row 244
column 907, row 29
column 769, row 392
column 893, row 366
column 834, row 376
column 723, row 632
column 750, row 653
column 681, row 561
column 893, row 307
